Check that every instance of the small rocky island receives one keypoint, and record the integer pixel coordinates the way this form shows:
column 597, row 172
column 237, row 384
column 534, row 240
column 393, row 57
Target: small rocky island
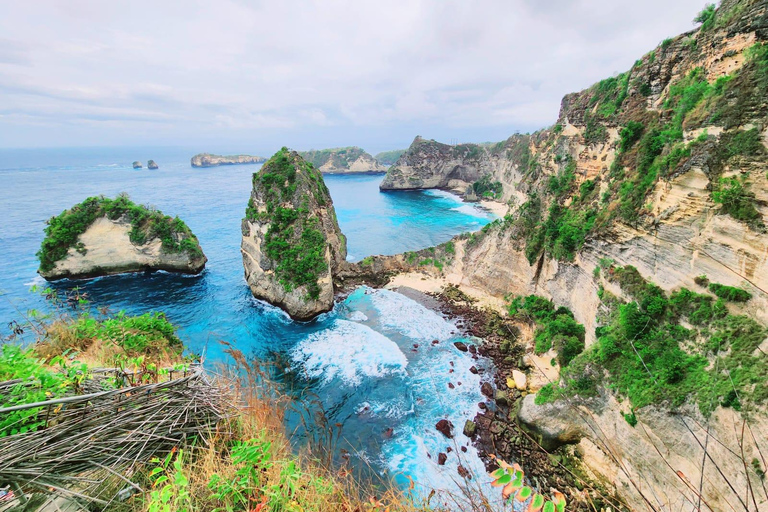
column 349, row 160
column 152, row 165
column 292, row 245
column 209, row 160
column 137, row 165
column 103, row 236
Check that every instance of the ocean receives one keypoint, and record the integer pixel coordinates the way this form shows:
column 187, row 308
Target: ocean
column 379, row 364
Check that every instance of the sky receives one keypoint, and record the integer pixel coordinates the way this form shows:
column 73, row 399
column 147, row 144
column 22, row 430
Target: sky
column 258, row 75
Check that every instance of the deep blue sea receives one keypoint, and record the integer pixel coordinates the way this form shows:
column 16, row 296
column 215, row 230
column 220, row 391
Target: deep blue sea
column 370, row 362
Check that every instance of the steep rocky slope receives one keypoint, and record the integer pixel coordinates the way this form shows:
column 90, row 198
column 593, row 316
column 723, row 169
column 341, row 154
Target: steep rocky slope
column 292, row 244
column 351, row 160
column 102, row 236
column 663, row 169
column 209, row 160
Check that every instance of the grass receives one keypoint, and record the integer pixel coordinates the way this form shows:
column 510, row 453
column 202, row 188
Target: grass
column 62, row 232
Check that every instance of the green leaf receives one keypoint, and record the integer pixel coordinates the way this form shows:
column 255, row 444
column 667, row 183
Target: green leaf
column 524, row 493
column 549, row 507
column 536, row 503
column 498, row 473
column 504, row 479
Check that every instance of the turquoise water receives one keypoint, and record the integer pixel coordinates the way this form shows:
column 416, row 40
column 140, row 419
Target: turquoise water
column 360, row 360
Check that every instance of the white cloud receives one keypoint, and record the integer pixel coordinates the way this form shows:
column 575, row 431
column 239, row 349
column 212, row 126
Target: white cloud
column 243, row 70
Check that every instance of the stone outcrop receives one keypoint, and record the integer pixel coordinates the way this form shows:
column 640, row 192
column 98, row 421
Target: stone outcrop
column 209, row 160
column 430, row 164
column 152, row 165
column 351, row 160
column 292, row 245
column 137, row 165
column 114, row 239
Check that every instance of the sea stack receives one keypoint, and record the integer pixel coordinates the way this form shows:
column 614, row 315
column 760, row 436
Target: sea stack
column 137, row 165
column 152, row 165
column 103, row 236
column 292, row 245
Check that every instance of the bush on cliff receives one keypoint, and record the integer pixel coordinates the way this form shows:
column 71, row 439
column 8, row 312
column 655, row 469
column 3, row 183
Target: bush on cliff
column 62, row 231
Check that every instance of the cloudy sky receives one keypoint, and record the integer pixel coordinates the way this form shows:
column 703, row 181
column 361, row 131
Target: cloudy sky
column 256, row 75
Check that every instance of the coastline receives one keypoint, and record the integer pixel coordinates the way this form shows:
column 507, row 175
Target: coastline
column 502, row 342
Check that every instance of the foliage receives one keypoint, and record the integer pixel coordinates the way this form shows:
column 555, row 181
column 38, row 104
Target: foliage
column 730, row 293
column 389, row 157
column 62, row 232
column 706, row 17
column 512, row 481
column 651, row 358
column 484, row 187
column 293, row 240
column 737, row 201
column 666, row 43
column 630, row 134
column 37, row 383
column 556, row 327
column 171, row 485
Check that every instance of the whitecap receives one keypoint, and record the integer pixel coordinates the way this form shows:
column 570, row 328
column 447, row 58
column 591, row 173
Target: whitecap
column 358, row 316
column 410, row 318
column 348, row 351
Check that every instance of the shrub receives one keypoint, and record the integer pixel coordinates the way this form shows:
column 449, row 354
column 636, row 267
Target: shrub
column 737, row 201
column 706, row 17
column 730, row 293
column 666, row 43
column 630, row 134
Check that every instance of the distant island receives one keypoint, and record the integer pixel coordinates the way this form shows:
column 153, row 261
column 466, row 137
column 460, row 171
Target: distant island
column 209, row 160
column 389, row 158
column 349, row 160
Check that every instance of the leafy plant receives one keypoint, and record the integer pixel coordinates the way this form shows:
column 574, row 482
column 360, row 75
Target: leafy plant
column 171, row 485
column 511, row 479
column 706, row 17
column 730, row 293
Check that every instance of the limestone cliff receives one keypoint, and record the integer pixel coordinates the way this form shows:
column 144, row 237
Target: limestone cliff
column 209, row 160
column 292, row 244
column 102, row 236
column 662, row 168
column 351, row 160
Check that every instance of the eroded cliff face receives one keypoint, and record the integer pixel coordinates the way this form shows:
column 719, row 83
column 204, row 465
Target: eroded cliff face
column 292, row 245
column 663, row 168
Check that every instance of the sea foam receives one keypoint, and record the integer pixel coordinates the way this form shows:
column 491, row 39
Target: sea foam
column 409, row 318
column 348, row 351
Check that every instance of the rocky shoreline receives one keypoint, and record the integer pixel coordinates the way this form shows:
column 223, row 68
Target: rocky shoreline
column 495, row 430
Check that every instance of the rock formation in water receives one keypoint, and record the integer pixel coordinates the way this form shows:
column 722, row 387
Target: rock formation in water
column 292, row 245
column 209, row 160
column 102, row 236
column 351, row 160
column 430, row 164
column 137, row 165
column 152, row 165
column 662, row 169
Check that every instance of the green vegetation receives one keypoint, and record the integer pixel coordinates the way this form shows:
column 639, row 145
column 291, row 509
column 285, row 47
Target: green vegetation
column 630, row 134
column 651, row 358
column 389, row 157
column 556, row 327
column 293, row 240
column 730, row 293
column 486, row 188
column 706, row 17
column 62, row 232
column 737, row 201
column 666, row 43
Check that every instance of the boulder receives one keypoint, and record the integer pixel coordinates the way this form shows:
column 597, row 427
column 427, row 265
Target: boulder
column 292, row 245
column 470, row 428
column 445, row 427
column 152, row 165
column 137, row 165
